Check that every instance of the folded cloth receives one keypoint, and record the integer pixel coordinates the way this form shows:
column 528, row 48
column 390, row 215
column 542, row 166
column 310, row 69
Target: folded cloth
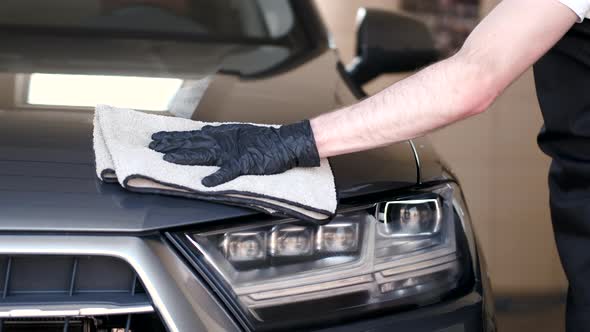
column 121, row 139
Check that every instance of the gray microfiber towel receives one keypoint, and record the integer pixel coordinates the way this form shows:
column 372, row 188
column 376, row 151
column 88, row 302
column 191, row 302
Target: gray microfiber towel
column 121, row 138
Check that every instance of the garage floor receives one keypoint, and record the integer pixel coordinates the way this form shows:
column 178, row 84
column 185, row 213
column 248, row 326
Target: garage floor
column 545, row 317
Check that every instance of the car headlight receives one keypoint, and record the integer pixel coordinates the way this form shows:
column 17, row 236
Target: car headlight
column 395, row 253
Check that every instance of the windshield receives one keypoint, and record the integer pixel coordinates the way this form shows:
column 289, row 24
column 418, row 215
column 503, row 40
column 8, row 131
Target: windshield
column 156, row 55
column 235, row 19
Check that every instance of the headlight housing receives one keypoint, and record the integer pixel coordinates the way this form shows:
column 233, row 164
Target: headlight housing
column 399, row 252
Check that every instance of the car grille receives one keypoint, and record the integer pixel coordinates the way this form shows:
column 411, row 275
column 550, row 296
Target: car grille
column 72, row 293
column 120, row 323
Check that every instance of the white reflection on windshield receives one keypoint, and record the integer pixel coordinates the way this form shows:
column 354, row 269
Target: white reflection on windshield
column 141, row 93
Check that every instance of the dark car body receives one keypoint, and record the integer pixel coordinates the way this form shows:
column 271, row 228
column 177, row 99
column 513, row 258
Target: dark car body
column 57, row 217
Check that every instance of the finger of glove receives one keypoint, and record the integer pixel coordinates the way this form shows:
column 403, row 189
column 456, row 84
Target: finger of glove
column 226, row 127
column 223, row 175
column 166, row 145
column 201, row 157
column 220, row 127
column 197, row 141
column 174, row 134
column 169, row 145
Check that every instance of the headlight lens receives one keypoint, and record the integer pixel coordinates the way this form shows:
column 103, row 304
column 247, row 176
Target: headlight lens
column 244, row 246
column 291, row 241
column 411, row 217
column 338, row 237
column 400, row 252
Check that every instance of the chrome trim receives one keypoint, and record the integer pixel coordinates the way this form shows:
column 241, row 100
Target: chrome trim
column 37, row 313
column 115, row 311
column 312, row 288
column 423, row 272
column 417, row 160
column 419, row 266
column 183, row 303
column 254, row 305
column 411, row 260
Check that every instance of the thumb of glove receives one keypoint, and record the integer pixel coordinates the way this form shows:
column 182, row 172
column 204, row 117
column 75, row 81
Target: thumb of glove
column 224, row 174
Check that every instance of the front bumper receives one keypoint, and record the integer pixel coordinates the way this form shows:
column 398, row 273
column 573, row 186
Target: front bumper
column 180, row 298
column 185, row 303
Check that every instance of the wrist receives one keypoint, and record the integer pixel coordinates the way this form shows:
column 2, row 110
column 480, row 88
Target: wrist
column 318, row 136
column 299, row 139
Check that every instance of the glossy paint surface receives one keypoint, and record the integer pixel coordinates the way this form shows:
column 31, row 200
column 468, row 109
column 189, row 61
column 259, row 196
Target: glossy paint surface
column 47, row 175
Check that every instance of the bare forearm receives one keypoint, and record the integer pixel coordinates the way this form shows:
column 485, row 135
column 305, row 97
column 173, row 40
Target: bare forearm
column 496, row 53
column 430, row 99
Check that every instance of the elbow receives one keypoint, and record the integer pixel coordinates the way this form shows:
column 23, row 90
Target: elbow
column 485, row 93
column 480, row 104
column 480, row 83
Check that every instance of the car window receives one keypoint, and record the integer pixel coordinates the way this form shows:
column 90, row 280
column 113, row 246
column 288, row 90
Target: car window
column 211, row 18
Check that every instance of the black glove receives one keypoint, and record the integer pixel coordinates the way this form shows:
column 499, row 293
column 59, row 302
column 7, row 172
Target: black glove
column 240, row 149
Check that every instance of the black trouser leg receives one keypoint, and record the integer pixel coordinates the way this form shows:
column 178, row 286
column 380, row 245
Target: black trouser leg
column 562, row 79
column 570, row 212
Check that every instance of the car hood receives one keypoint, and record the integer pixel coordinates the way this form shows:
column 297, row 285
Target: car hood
column 47, row 172
column 48, row 181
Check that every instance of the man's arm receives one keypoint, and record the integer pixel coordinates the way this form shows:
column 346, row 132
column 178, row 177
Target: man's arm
column 507, row 42
column 504, row 45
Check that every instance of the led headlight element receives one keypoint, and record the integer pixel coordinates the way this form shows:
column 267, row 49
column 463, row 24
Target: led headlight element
column 291, row 240
column 244, row 246
column 338, row 237
column 411, row 217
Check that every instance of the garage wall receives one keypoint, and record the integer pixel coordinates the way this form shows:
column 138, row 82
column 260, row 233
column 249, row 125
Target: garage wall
column 502, row 171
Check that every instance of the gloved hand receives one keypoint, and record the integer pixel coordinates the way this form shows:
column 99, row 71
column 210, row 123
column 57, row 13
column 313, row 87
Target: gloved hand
column 240, row 149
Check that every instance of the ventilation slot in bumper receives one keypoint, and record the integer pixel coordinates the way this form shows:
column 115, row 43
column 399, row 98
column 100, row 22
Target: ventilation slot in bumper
column 72, row 293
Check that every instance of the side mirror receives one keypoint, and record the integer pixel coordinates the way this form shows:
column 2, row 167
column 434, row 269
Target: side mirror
column 389, row 43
